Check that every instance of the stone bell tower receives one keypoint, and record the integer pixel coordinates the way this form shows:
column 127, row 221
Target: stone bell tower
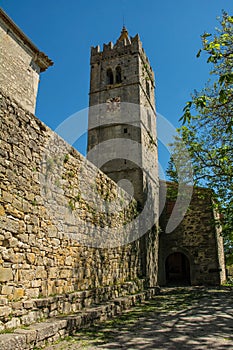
column 122, row 93
column 122, row 138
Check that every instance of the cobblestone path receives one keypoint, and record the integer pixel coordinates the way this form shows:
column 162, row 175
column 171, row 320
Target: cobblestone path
column 178, row 318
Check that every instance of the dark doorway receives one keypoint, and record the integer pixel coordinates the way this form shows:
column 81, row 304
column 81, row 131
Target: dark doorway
column 177, row 269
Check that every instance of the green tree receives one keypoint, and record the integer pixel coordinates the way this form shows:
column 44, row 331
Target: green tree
column 207, row 128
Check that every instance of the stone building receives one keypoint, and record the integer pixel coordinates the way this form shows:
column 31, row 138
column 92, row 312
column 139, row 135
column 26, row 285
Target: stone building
column 21, row 63
column 193, row 252
column 54, row 207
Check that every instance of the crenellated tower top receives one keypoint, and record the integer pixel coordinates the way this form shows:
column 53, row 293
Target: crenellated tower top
column 124, row 45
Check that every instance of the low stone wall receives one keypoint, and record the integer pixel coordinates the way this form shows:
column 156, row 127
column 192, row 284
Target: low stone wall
column 26, row 312
column 64, row 224
column 40, row 334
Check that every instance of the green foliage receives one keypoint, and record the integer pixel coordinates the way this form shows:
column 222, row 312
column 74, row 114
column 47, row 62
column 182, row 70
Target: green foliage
column 77, row 197
column 66, row 158
column 6, row 331
column 34, row 202
column 229, row 282
column 171, row 170
column 207, row 128
column 180, row 169
column 71, row 174
column 71, row 204
column 220, row 53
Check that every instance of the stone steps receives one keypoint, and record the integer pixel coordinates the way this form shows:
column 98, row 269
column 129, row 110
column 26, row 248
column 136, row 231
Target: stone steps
column 29, row 311
column 39, row 334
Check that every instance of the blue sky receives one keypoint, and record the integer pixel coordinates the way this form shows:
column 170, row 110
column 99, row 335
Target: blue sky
column 65, row 30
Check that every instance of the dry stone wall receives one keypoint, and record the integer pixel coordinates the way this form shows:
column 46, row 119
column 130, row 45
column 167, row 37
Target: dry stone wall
column 63, row 225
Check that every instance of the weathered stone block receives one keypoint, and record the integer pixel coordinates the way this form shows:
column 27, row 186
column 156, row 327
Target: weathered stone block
column 52, row 231
column 12, row 341
column 13, row 242
column 41, row 272
column 26, row 275
column 5, row 311
column 29, row 333
column 31, row 257
column 53, row 272
column 65, row 273
column 18, row 293
column 16, row 305
column 7, row 290
column 6, row 274
column 32, row 292
column 45, row 330
column 36, row 283
column 7, row 197
column 3, row 301
column 29, row 304
column 30, row 318
column 13, row 323
column 2, row 210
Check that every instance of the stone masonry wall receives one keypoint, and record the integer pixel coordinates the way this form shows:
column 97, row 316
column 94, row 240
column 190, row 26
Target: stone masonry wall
column 63, row 225
column 19, row 75
column 197, row 237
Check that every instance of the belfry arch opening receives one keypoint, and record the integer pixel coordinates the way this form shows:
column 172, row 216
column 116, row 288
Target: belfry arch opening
column 118, row 75
column 177, row 269
column 109, row 76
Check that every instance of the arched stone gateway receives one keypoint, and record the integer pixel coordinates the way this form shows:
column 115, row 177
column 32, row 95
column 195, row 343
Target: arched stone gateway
column 177, row 268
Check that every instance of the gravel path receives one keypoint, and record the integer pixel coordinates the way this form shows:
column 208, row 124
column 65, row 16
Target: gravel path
column 178, row 318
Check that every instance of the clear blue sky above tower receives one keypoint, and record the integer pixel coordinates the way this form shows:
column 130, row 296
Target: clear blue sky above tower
column 170, row 31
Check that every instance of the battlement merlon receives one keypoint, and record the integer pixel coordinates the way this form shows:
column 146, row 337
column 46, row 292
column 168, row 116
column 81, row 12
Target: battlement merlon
column 124, row 41
column 123, row 44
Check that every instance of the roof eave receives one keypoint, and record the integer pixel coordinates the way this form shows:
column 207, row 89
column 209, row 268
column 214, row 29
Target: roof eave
column 40, row 58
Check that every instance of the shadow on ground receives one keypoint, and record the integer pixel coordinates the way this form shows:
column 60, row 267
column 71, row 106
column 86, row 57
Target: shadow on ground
column 178, row 318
